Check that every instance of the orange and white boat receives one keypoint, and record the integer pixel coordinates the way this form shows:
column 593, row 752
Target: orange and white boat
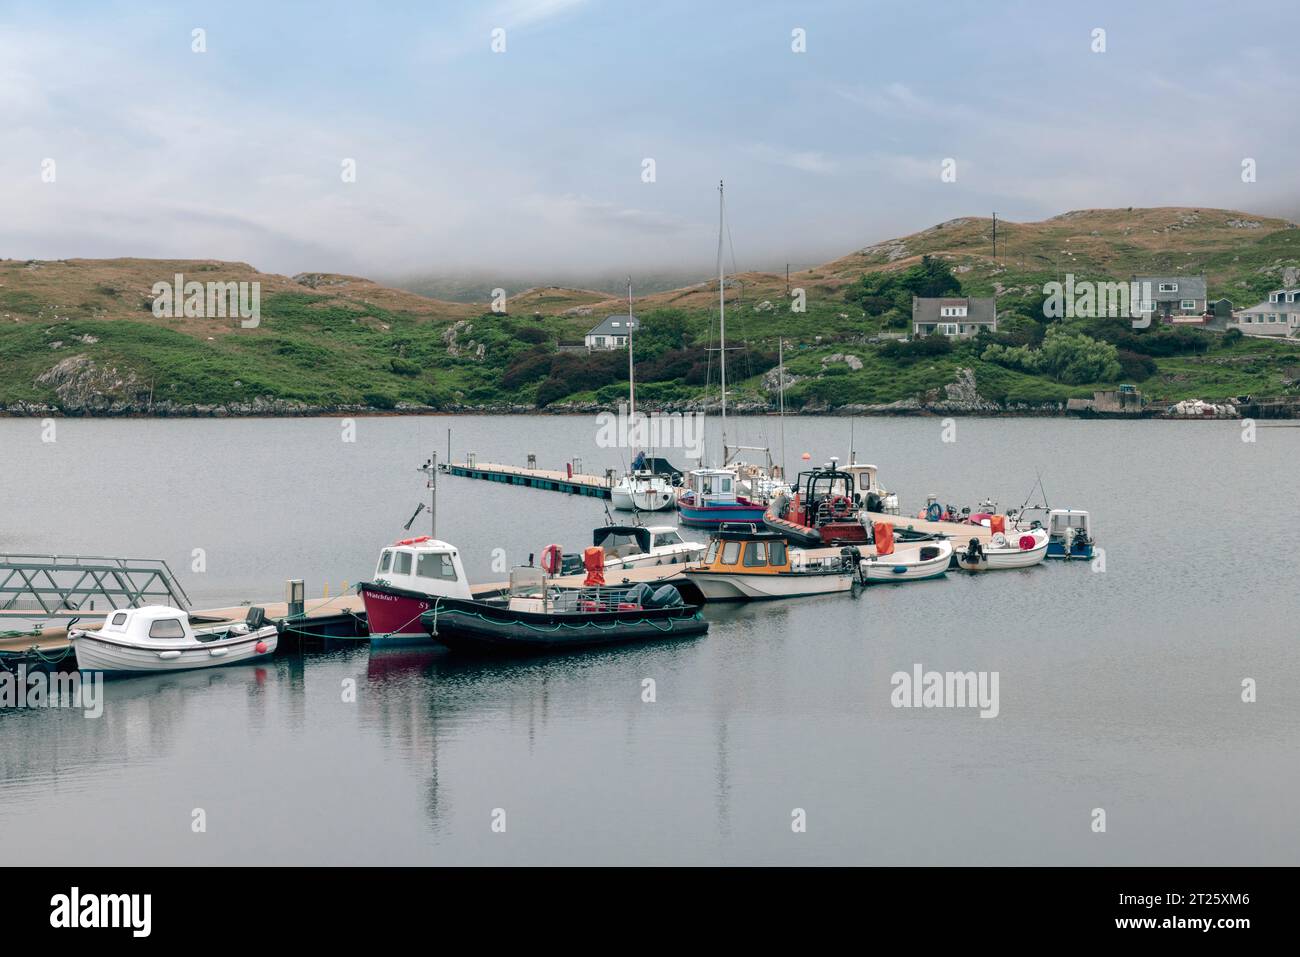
column 745, row 563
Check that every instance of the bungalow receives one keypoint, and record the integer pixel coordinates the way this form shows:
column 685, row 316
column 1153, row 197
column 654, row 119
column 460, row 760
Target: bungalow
column 1279, row 316
column 955, row 318
column 1173, row 298
column 612, row 333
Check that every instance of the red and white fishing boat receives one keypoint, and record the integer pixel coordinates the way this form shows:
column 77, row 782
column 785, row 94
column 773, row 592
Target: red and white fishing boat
column 411, row 575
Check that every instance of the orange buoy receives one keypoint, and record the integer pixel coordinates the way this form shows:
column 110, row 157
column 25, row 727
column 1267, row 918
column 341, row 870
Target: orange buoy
column 260, row 647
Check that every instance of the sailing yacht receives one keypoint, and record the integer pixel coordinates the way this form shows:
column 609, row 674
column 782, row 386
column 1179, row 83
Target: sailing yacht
column 640, row 489
column 738, row 491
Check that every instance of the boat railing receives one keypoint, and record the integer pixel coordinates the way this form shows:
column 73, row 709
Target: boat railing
column 590, row 598
column 62, row 585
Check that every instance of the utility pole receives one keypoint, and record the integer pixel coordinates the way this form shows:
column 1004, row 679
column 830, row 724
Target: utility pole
column 995, row 234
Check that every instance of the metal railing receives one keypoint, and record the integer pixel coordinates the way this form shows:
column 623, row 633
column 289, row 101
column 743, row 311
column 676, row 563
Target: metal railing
column 64, row 584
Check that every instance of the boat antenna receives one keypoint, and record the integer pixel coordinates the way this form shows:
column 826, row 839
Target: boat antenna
column 411, row 521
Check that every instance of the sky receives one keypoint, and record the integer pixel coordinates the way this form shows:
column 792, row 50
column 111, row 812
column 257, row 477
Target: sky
column 533, row 159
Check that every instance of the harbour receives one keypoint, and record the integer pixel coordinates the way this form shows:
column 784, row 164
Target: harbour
column 791, row 694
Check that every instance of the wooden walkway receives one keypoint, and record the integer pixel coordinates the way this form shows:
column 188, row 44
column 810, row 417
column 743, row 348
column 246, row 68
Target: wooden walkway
column 53, row 639
column 596, row 486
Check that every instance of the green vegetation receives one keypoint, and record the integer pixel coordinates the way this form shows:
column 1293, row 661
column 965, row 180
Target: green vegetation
column 88, row 346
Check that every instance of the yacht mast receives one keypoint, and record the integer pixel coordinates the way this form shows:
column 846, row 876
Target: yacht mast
column 631, row 374
column 722, row 326
column 780, row 371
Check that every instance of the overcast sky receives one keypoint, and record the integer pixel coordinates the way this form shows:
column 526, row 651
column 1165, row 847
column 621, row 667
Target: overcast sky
column 531, row 159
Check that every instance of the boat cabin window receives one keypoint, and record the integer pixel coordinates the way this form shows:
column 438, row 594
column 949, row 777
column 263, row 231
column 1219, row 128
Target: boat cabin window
column 435, row 565
column 776, row 553
column 713, row 552
column 620, row 546
column 119, row 618
column 385, row 560
column 755, row 554
column 167, row 628
column 726, row 485
column 730, row 553
column 402, row 563
column 668, row 538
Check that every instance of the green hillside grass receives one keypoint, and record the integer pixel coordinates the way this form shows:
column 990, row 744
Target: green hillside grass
column 329, row 342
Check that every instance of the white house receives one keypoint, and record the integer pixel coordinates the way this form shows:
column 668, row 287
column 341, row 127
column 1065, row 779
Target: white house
column 1278, row 316
column 613, row 332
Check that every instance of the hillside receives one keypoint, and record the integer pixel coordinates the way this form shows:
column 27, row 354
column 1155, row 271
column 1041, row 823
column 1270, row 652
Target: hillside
column 79, row 336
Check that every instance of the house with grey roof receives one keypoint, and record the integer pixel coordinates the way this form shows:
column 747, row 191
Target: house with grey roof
column 1172, row 299
column 612, row 333
column 957, row 318
column 1279, row 315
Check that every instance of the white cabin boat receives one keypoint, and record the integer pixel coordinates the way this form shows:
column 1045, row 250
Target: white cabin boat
column 410, row 576
column 640, row 546
column 160, row 638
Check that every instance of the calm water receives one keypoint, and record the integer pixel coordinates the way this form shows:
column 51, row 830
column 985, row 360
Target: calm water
column 1119, row 689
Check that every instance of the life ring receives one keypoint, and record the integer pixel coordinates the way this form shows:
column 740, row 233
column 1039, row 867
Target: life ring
column 552, row 559
column 840, row 506
column 414, row 541
column 933, row 512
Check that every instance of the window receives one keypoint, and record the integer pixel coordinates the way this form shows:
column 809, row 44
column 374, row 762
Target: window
column 402, row 563
column 1273, row 296
column 712, row 556
column 600, row 340
column 1169, row 287
column 385, row 561
column 668, row 538
column 730, row 553
column 167, row 628
column 435, row 565
column 726, row 485
column 120, row 618
column 949, row 328
column 755, row 554
column 776, row 553
column 1189, row 303
column 1147, row 306
column 614, row 325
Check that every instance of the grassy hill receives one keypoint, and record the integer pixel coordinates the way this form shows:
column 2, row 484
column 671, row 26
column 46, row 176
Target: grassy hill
column 79, row 336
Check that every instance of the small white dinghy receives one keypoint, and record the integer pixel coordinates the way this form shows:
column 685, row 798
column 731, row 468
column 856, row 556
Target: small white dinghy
column 159, row 638
column 909, row 562
column 1018, row 550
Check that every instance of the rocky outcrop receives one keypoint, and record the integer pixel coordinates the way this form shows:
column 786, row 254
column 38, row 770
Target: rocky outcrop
column 468, row 348
column 83, row 386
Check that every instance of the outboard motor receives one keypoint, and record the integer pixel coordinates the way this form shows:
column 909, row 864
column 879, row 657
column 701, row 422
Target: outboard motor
column 639, row 594
column 665, row 597
column 874, row 502
column 974, row 550
column 850, row 555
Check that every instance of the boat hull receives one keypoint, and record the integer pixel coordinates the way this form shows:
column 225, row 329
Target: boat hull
column 114, row 657
column 625, row 499
column 480, row 628
column 711, row 516
column 1057, row 549
column 1001, row 559
column 394, row 614
column 733, row 586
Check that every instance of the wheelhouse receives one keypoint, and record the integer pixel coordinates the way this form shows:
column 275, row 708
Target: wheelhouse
column 746, row 549
column 423, row 565
column 712, row 486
